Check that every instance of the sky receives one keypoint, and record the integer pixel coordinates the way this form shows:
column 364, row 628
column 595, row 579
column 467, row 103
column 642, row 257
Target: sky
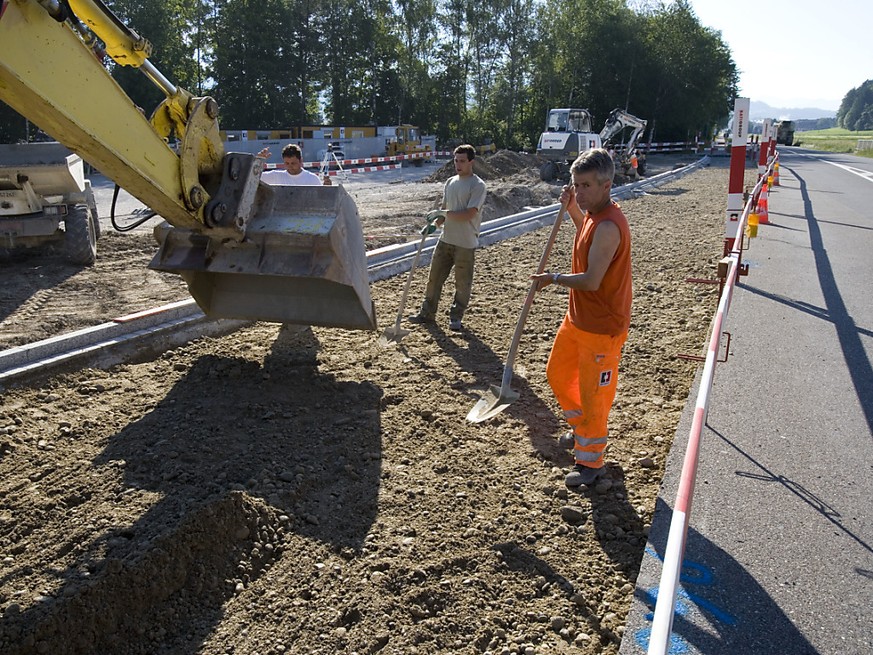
column 795, row 54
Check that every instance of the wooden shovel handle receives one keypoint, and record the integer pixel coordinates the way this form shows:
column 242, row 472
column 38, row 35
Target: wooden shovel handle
column 519, row 328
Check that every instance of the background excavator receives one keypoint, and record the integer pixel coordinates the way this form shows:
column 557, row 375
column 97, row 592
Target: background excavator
column 622, row 133
column 568, row 133
column 246, row 249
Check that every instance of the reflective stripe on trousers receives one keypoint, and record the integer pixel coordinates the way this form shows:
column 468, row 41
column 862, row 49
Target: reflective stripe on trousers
column 583, row 373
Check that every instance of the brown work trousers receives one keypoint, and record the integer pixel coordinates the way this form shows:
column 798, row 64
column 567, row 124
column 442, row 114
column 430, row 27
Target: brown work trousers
column 446, row 256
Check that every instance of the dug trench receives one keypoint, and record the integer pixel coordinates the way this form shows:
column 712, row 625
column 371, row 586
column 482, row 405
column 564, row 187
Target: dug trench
column 294, row 489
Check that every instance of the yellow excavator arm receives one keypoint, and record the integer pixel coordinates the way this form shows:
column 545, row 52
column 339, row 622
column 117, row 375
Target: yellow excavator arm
column 246, row 249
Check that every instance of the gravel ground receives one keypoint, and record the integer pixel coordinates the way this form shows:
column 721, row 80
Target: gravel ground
column 293, row 489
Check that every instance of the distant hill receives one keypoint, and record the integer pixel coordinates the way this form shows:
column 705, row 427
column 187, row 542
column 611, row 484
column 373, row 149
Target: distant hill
column 761, row 110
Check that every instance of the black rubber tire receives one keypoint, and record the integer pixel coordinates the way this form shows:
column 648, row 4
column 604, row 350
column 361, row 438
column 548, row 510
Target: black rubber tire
column 80, row 239
column 548, row 171
column 96, row 219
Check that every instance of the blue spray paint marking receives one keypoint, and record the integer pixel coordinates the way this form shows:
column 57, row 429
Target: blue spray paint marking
column 682, row 608
column 678, row 646
column 691, row 573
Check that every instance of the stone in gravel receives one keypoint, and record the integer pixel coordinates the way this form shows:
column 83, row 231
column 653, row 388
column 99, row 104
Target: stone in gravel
column 647, row 462
column 573, row 514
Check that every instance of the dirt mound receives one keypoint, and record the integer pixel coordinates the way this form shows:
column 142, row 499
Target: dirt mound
column 225, row 544
column 503, row 163
column 507, row 163
column 521, row 191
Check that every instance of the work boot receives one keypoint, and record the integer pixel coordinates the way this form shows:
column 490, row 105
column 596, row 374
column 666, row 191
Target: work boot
column 583, row 475
column 420, row 319
column 567, row 441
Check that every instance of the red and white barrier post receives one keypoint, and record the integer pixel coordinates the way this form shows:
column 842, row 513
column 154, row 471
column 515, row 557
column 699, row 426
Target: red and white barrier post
column 737, row 173
column 764, row 153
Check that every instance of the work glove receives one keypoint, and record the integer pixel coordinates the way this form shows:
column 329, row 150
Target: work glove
column 429, row 228
column 435, row 214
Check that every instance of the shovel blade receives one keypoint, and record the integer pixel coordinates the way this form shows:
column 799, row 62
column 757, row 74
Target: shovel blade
column 391, row 336
column 494, row 401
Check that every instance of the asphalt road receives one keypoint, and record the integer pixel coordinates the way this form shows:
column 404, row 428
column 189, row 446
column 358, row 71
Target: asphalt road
column 779, row 556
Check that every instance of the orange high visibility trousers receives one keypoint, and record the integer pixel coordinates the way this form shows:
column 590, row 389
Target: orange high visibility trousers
column 583, row 373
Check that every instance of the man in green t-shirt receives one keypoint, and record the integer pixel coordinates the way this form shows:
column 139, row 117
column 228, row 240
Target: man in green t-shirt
column 460, row 217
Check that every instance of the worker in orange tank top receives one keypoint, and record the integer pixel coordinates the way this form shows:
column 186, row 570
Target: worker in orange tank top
column 583, row 365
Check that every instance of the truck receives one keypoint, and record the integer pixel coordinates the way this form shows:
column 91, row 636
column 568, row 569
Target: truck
column 568, row 133
column 246, row 250
column 785, row 133
column 46, row 200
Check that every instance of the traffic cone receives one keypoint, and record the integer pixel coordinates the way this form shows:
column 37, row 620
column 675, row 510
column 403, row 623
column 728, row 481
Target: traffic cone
column 762, row 206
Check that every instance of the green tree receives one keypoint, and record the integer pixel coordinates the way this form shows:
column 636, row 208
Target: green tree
column 499, row 64
column 171, row 27
column 456, row 68
column 361, row 49
column 590, row 59
column 451, row 70
column 690, row 79
column 415, row 22
column 856, row 109
column 256, row 64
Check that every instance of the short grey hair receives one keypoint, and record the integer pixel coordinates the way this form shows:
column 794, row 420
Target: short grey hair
column 595, row 159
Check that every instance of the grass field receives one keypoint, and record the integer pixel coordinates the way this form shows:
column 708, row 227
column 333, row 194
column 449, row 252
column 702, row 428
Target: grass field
column 835, row 139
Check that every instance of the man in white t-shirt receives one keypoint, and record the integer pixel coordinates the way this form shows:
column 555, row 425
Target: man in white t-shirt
column 460, row 217
column 293, row 173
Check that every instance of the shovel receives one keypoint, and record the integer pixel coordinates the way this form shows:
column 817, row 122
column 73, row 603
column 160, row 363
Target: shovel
column 394, row 334
column 496, row 399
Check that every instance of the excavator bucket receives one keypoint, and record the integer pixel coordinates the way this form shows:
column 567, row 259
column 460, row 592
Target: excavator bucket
column 302, row 261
